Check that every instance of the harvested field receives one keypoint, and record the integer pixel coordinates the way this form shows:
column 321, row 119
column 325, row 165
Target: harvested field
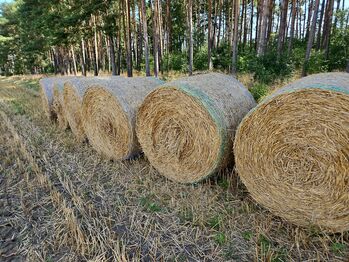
column 70, row 204
column 292, row 152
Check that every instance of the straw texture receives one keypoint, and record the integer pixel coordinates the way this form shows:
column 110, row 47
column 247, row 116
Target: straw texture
column 186, row 127
column 292, row 152
column 58, row 106
column 109, row 114
column 47, row 93
column 73, row 92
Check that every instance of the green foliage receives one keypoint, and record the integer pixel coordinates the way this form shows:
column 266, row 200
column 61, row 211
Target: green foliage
column 178, row 62
column 247, row 235
column 259, row 91
column 17, row 107
column 215, row 222
column 221, row 57
column 220, row 238
column 149, row 204
column 338, row 248
column 200, row 59
column 264, row 243
column 269, row 67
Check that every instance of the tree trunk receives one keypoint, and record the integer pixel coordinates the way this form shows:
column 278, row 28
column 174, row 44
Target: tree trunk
column 127, row 25
column 112, row 55
column 311, row 38
column 155, row 39
column 169, row 25
column 270, row 19
column 318, row 40
column 327, row 27
column 242, row 20
column 209, row 40
column 263, row 28
column 251, row 24
column 74, row 61
column 95, row 48
column 145, row 37
column 190, row 29
column 245, row 26
column 235, row 38
column 283, row 19
column 220, row 21
column 309, row 17
column 293, row 14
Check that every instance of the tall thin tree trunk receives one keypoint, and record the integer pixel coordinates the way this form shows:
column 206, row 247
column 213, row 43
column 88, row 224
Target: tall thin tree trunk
column 318, row 40
column 251, row 23
column 95, row 48
column 155, row 39
column 327, row 27
column 209, row 40
column 235, row 38
column 128, row 38
column 169, row 25
column 145, row 38
column 309, row 17
column 293, row 14
column 270, row 19
column 283, row 19
column 311, row 38
column 112, row 55
column 263, row 28
column 74, row 60
column 190, row 29
column 245, row 26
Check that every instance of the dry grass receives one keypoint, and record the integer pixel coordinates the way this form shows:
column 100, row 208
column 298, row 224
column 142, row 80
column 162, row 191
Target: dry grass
column 186, row 127
column 94, row 209
column 292, row 152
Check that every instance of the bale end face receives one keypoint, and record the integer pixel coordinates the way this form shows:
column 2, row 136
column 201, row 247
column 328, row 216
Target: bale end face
column 58, row 109
column 292, row 152
column 72, row 107
column 46, row 94
column 106, row 124
column 178, row 135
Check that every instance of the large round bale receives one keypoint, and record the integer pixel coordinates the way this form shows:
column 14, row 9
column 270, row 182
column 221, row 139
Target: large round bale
column 109, row 114
column 186, row 127
column 47, row 93
column 58, row 106
column 292, row 152
column 73, row 92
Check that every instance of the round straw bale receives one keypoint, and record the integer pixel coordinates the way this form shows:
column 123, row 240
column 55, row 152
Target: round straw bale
column 57, row 105
column 186, row 127
column 292, row 152
column 73, row 93
column 109, row 115
column 47, row 94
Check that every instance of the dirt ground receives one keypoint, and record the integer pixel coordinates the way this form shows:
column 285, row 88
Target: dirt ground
column 61, row 201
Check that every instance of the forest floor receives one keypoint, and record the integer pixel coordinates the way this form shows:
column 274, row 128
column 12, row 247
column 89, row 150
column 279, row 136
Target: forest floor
column 61, row 201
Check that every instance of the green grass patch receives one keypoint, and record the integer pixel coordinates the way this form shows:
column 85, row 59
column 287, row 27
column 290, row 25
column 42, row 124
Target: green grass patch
column 149, row 204
column 338, row 248
column 220, row 238
column 17, row 107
